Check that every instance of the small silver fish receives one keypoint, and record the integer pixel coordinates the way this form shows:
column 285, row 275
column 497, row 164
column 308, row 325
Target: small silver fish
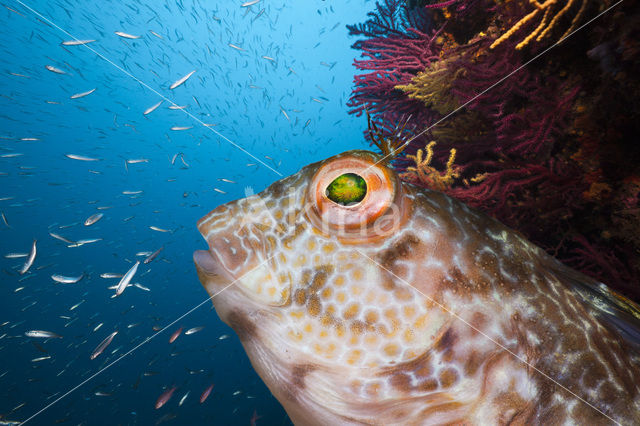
column 155, row 228
column 152, row 256
column 66, row 280
column 110, row 275
column 93, row 219
column 126, row 279
column 180, row 128
column 193, row 330
column 42, row 334
column 151, row 108
column 103, row 345
column 30, row 259
column 76, row 305
column 89, row 240
column 54, row 69
column 82, row 94
column 80, row 157
column 61, row 238
column 183, row 399
column 181, row 80
column 285, row 114
column 125, row 35
column 4, row 219
column 76, row 42
column 15, row 255
column 80, row 243
column 42, row 358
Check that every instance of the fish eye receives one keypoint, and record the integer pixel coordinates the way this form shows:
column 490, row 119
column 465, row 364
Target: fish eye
column 354, row 197
column 347, row 189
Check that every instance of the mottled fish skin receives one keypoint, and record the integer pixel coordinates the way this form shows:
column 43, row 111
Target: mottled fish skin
column 332, row 326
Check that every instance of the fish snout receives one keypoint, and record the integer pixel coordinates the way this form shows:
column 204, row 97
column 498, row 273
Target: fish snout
column 209, row 270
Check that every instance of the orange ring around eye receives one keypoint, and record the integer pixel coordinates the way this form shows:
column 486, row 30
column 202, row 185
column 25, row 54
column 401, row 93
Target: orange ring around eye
column 354, row 221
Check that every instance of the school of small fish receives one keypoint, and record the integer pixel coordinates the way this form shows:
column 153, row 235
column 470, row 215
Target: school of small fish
column 121, row 123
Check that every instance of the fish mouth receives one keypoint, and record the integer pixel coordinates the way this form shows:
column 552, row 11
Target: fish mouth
column 211, row 272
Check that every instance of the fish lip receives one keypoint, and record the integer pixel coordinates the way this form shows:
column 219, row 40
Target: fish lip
column 209, row 264
column 211, row 269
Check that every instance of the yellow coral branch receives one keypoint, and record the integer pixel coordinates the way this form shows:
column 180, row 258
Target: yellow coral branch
column 555, row 8
column 513, row 29
column 428, row 175
column 555, row 19
column 432, row 86
column 536, row 31
column 576, row 20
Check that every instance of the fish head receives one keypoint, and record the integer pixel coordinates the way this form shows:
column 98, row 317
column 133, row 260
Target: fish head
column 361, row 299
column 312, row 282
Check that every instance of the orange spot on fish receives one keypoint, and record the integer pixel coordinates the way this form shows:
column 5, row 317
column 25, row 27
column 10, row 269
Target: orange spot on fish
column 205, row 394
column 175, row 335
column 165, row 397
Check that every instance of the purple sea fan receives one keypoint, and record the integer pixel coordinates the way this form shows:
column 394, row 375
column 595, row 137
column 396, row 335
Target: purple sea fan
column 399, row 43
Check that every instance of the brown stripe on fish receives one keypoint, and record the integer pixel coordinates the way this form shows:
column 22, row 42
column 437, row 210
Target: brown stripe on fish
column 403, row 249
column 298, row 374
column 244, row 327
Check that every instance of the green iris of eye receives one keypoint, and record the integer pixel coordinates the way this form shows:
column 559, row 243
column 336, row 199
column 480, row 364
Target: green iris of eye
column 347, row 189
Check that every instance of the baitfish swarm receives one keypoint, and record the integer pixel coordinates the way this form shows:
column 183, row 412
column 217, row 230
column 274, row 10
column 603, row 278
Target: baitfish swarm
column 404, row 306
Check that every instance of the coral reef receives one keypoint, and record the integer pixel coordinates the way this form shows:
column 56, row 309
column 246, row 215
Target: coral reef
column 428, row 175
column 552, row 12
column 542, row 139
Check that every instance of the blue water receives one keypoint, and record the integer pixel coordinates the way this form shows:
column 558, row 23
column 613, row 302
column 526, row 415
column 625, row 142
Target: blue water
column 43, row 191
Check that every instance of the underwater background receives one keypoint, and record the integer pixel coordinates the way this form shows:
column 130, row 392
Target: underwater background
column 124, row 122
column 278, row 97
